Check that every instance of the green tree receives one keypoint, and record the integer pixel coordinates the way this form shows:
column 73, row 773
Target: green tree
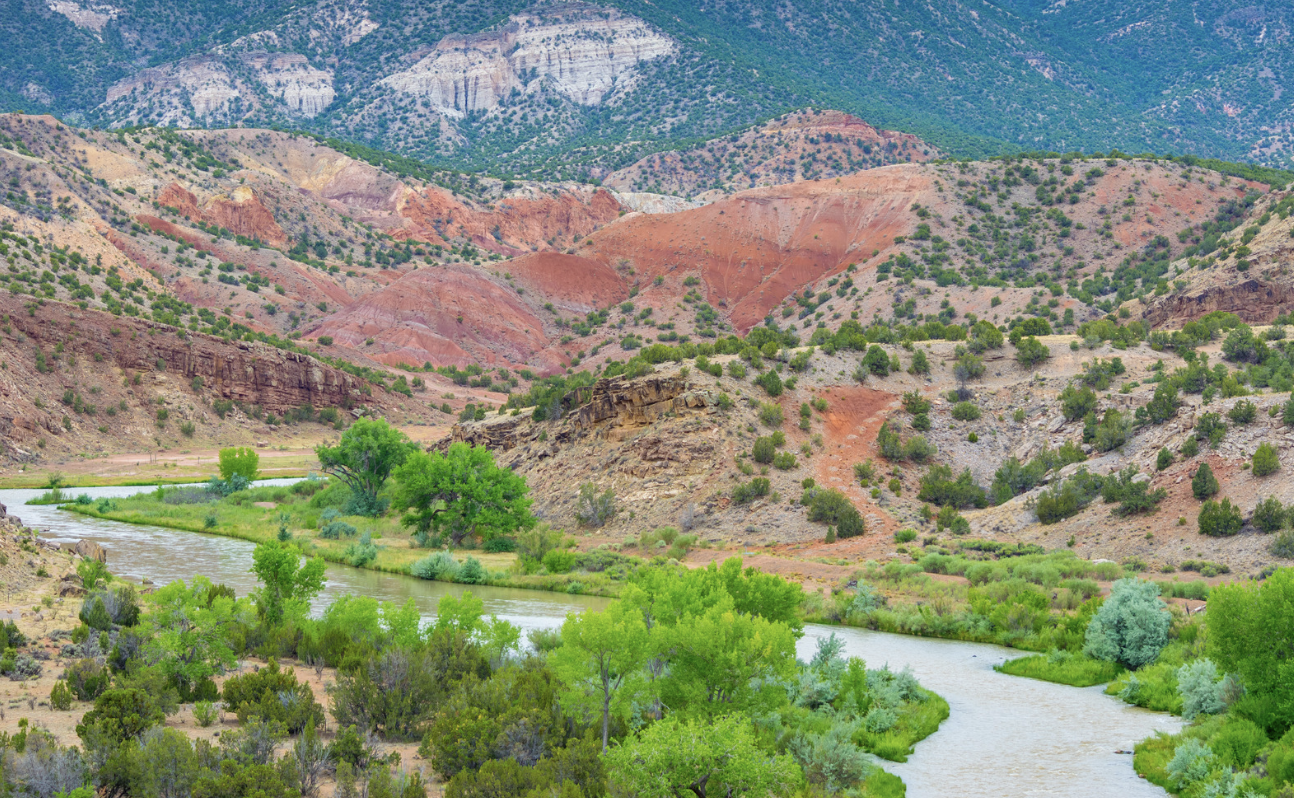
column 1204, row 485
column 188, row 632
column 241, row 460
column 461, row 493
column 364, row 458
column 1250, row 633
column 877, row 361
column 1131, row 627
column 671, row 758
column 1076, row 402
column 1162, row 407
column 1266, row 460
column 288, row 584
column 1164, row 459
column 119, row 715
column 601, row 658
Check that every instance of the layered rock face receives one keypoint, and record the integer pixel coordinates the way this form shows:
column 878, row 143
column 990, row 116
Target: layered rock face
column 275, row 379
column 210, row 88
column 241, row 212
column 583, row 52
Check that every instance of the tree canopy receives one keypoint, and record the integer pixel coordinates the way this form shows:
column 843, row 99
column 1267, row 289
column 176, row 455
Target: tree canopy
column 364, row 457
column 460, row 493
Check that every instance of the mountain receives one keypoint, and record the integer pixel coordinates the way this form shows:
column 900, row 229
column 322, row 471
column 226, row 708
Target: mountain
column 585, row 90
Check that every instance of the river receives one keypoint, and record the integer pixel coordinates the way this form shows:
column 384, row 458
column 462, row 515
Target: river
column 1005, row 736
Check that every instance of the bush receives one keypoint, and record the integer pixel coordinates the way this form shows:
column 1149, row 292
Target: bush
column 440, row 566
column 905, row 536
column 1204, row 485
column 770, row 382
column 1220, row 519
column 1243, row 413
column 1030, row 352
column 1283, row 545
column 1076, row 402
column 1164, row 459
column 1192, row 761
column 1269, row 515
column 60, row 697
column 87, row 679
column 205, row 713
column 472, row 572
column 833, row 507
column 1131, row 627
column 1114, row 430
column 876, row 361
column 770, row 415
column 595, row 509
column 1266, row 460
column 1201, row 689
column 747, row 492
column 1210, row 427
column 335, row 530
column 763, row 450
column 1190, row 447
column 939, row 488
column 785, row 461
column 560, row 561
column 965, row 411
column 273, row 695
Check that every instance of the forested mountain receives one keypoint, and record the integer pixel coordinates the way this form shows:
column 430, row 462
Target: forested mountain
column 575, row 89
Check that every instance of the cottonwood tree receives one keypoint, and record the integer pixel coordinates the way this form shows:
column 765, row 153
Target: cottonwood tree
column 363, row 459
column 601, row 657
column 671, row 757
column 289, row 584
column 460, row 493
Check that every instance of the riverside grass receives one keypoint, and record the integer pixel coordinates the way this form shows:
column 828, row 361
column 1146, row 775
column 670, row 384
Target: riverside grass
column 1075, row 671
column 237, row 516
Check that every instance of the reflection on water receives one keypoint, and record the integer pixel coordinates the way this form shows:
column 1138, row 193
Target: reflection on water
column 163, row 555
column 1005, row 736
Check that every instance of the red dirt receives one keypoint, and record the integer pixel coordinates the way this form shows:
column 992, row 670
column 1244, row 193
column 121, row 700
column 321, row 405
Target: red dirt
column 449, row 315
column 756, row 248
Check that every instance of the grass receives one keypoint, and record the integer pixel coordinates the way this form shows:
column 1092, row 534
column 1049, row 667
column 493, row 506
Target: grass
column 1075, row 671
column 1153, row 687
column 917, row 721
column 1150, row 759
column 238, row 517
column 24, row 481
column 882, row 784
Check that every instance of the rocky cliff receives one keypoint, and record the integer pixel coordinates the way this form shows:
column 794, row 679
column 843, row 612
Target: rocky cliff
column 583, row 52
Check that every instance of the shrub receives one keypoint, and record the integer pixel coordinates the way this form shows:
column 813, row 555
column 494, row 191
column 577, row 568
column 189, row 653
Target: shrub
column 1076, row 402
column 1220, row 519
column 1204, row 485
column 1266, row 460
column 1243, row 413
column 472, row 572
column 905, row 536
column 1201, row 689
column 968, row 367
column 1192, row 761
column 1283, row 545
column 560, row 561
column 440, row 566
column 1269, row 515
column 876, row 361
column 595, row 509
column 747, row 492
column 938, row 487
column 87, row 679
column 1114, row 430
column 1210, row 427
column 915, row 404
column 965, row 411
column 335, row 530
column 770, row 415
column 1190, row 447
column 785, row 461
column 833, row 507
column 1131, row 627
column 205, row 713
column 763, row 450
column 920, row 364
column 60, row 697
column 1030, row 352
column 273, row 694
column 770, row 382
column 1164, row 459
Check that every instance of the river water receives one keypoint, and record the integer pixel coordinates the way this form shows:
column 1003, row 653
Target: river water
column 1005, row 736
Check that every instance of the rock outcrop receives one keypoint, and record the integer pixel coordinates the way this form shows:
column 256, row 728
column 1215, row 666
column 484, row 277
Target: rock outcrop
column 255, row 373
column 583, row 52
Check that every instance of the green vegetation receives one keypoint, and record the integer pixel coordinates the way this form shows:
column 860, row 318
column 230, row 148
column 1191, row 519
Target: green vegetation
column 1062, row 667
